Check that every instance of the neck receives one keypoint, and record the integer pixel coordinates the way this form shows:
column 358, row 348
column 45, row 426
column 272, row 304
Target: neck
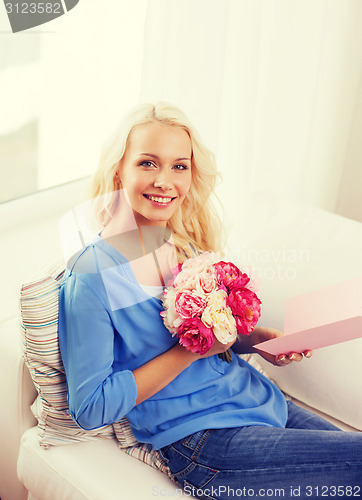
column 153, row 237
column 144, row 247
column 131, row 239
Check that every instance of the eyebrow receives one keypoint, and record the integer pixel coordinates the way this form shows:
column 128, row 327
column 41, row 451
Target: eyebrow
column 157, row 157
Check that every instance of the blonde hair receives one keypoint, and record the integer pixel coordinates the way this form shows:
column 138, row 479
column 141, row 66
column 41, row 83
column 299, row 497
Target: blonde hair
column 195, row 222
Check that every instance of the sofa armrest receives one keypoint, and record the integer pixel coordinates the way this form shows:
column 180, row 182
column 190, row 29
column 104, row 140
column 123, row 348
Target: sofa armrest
column 17, row 393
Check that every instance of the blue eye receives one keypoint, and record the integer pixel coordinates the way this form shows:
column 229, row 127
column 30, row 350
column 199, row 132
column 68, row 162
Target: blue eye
column 180, row 167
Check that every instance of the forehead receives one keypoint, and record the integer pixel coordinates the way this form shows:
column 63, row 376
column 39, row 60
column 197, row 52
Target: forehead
column 154, row 137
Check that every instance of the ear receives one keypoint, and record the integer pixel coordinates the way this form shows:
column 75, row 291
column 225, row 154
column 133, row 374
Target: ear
column 116, row 178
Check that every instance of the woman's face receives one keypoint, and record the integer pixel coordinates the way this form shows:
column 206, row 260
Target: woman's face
column 155, row 171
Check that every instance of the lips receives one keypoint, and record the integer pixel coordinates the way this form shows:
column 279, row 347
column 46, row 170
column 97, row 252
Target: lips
column 161, row 200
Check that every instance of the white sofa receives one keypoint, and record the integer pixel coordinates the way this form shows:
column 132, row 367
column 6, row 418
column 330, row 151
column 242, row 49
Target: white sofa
column 293, row 248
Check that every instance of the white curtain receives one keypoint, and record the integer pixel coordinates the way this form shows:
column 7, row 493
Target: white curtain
column 90, row 74
column 272, row 86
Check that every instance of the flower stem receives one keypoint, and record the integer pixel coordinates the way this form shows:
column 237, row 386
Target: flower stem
column 225, row 356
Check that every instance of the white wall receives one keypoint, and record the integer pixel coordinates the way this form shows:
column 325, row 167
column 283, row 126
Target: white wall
column 30, row 239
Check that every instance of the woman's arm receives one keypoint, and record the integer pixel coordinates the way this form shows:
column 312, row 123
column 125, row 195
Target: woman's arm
column 97, row 394
column 160, row 371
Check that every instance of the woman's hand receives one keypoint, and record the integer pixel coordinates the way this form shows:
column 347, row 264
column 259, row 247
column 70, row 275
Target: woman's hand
column 261, row 334
column 218, row 348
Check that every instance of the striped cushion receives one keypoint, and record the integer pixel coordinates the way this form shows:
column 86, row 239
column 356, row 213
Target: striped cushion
column 39, row 325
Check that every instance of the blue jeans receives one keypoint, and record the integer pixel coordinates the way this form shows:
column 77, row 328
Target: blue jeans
column 310, row 458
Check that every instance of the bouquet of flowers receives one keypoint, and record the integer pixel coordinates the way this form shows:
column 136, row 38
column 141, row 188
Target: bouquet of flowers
column 208, row 299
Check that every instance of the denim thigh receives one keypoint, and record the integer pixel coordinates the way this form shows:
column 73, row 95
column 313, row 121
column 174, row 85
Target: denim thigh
column 182, row 458
column 254, row 461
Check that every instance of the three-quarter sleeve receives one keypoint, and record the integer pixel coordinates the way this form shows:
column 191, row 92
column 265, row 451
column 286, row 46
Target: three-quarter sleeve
column 98, row 393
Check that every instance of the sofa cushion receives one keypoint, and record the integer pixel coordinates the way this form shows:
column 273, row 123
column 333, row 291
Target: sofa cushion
column 90, row 470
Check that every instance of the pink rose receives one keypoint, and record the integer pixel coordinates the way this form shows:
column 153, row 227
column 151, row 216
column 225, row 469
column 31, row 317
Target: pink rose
column 195, row 336
column 205, row 282
column 188, row 304
column 230, row 276
column 184, row 279
column 245, row 306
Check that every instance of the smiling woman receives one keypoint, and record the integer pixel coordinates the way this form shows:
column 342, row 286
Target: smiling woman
column 203, row 415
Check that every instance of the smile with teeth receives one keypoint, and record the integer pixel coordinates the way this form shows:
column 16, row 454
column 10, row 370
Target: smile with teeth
column 159, row 199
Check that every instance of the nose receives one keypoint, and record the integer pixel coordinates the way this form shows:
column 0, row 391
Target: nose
column 162, row 181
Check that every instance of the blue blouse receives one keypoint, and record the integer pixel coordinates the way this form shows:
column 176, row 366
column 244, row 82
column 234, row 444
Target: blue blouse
column 109, row 326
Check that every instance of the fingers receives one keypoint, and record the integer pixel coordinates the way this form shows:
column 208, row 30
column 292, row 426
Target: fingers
column 282, row 360
column 286, row 359
column 218, row 348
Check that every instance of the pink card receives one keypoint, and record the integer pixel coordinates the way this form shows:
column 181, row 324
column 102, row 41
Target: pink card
column 320, row 318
